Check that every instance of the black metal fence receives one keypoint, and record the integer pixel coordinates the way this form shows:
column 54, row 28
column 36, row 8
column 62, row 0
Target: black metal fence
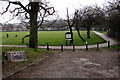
column 86, row 46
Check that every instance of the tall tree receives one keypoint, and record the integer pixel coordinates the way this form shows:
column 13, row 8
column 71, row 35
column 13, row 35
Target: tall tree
column 70, row 23
column 88, row 17
column 78, row 22
column 35, row 12
column 113, row 16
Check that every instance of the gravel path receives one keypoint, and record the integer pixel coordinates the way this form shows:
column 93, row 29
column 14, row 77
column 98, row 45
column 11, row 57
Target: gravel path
column 78, row 64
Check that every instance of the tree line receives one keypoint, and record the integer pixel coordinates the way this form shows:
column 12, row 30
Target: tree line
column 90, row 16
column 96, row 17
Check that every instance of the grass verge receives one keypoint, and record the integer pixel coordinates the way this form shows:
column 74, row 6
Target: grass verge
column 116, row 47
column 10, row 67
column 103, row 32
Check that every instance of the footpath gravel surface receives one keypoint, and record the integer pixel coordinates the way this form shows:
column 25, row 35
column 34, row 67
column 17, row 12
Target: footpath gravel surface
column 78, row 64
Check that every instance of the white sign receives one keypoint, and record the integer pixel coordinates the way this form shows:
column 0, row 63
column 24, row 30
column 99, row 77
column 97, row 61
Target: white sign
column 16, row 56
column 68, row 37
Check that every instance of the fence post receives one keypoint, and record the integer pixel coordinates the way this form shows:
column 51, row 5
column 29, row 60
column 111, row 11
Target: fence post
column 86, row 45
column 47, row 47
column 62, row 47
column 108, row 44
column 3, row 56
column 73, row 47
column 97, row 45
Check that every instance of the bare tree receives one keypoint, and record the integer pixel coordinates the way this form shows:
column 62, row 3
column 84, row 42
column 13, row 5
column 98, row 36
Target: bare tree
column 35, row 12
column 113, row 17
column 78, row 23
column 70, row 23
column 88, row 17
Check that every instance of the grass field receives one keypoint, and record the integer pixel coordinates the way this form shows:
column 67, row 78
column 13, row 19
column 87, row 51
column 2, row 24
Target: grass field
column 54, row 38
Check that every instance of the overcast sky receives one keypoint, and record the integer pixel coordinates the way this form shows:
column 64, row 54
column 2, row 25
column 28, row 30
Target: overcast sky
column 60, row 7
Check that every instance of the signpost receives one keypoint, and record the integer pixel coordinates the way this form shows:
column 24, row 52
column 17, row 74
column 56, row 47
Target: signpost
column 68, row 37
column 16, row 56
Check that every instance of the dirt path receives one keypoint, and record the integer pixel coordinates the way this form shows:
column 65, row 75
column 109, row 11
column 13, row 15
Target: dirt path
column 78, row 64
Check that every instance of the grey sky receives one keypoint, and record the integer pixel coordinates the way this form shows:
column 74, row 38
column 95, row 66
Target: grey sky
column 60, row 7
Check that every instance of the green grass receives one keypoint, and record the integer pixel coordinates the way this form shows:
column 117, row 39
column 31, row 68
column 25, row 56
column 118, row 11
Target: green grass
column 31, row 54
column 117, row 47
column 54, row 38
column 103, row 32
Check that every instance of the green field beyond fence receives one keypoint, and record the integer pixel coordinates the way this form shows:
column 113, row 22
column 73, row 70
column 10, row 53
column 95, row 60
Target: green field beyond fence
column 54, row 38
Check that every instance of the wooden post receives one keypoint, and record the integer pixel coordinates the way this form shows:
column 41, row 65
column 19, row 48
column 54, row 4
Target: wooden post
column 108, row 44
column 3, row 56
column 7, row 35
column 62, row 47
column 47, row 47
column 97, row 45
column 73, row 47
column 86, row 45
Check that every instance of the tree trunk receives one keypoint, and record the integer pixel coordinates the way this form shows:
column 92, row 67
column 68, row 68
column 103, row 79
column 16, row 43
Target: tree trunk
column 88, row 32
column 71, row 41
column 70, row 27
column 33, row 40
column 80, row 36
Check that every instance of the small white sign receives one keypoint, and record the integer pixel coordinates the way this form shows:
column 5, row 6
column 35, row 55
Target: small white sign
column 68, row 37
column 16, row 56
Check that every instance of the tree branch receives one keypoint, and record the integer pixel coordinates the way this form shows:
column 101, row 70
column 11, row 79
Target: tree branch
column 18, row 3
column 19, row 13
column 26, row 16
column 42, row 19
column 6, row 9
column 15, row 10
column 47, row 9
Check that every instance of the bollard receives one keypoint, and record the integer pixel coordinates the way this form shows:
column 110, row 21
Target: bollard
column 62, row 47
column 3, row 56
column 7, row 35
column 97, row 45
column 108, row 44
column 47, row 47
column 73, row 47
column 86, row 45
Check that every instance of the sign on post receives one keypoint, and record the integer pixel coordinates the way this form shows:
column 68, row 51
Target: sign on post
column 16, row 56
column 68, row 36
